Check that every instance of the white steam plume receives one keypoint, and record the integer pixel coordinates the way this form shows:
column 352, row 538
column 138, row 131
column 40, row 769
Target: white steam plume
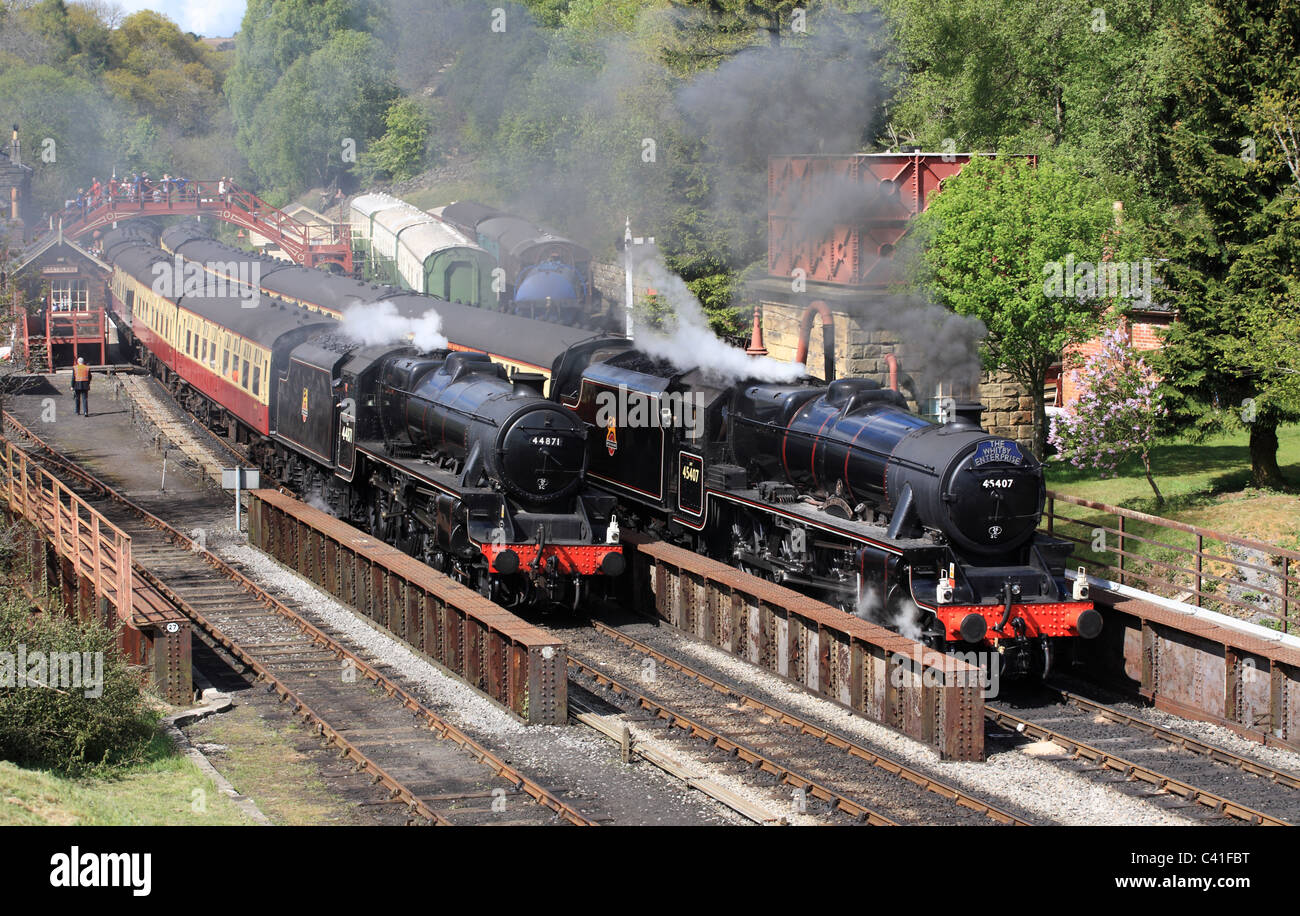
column 377, row 323
column 905, row 618
column 691, row 343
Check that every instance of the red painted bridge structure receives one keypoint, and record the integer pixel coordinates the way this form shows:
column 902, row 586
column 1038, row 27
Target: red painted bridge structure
column 306, row 244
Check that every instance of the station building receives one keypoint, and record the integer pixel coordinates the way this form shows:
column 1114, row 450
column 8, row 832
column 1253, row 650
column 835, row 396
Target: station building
column 831, row 284
column 59, row 291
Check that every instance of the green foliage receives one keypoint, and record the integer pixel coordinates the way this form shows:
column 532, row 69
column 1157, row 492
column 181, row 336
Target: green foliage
column 402, row 150
column 1232, row 239
column 989, row 241
column 143, row 95
column 716, row 287
column 1083, row 80
column 322, row 105
column 164, row 74
column 273, row 36
column 61, row 114
column 48, row 724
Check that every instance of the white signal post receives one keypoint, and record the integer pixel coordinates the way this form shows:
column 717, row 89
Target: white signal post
column 237, row 478
column 628, row 242
column 627, row 274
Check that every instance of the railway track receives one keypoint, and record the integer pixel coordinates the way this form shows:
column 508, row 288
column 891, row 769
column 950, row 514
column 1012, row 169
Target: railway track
column 1182, row 741
column 802, row 726
column 192, row 438
column 1129, row 769
column 780, row 746
column 785, row 775
column 346, row 697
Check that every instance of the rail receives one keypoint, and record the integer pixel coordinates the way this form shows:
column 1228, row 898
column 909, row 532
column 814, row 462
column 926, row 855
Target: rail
column 929, row 696
column 99, row 550
column 1241, row 575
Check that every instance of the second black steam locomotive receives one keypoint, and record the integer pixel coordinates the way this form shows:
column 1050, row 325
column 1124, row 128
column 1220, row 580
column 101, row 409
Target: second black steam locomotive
column 840, row 491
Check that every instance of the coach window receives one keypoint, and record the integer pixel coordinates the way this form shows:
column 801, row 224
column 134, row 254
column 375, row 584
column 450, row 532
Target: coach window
column 243, row 375
column 187, row 341
column 225, row 359
column 257, row 379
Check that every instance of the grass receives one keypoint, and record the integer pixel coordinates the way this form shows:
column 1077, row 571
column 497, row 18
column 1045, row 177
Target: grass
column 1205, row 484
column 166, row 789
column 262, row 762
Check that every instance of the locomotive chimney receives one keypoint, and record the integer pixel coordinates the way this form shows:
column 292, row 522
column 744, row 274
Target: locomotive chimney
column 527, row 383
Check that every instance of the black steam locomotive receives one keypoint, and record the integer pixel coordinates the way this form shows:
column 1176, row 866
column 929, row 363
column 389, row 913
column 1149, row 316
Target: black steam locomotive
column 841, row 492
column 440, row 453
column 836, row 490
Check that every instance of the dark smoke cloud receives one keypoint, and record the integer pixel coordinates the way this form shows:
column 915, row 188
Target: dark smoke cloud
column 814, row 93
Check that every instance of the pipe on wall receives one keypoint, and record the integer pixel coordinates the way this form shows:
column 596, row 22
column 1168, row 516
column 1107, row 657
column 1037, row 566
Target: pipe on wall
column 815, row 308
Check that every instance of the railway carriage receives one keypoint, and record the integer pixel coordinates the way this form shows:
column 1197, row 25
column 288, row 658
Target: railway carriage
column 546, row 276
column 516, row 342
column 419, row 251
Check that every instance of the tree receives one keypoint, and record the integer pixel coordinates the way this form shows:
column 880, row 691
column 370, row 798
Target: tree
column 61, row 126
column 1232, row 241
column 400, row 152
column 164, row 74
column 992, row 243
column 1116, row 414
column 275, row 34
column 1082, row 80
column 324, row 105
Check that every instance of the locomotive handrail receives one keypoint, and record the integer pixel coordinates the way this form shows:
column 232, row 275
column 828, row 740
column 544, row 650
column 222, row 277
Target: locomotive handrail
column 1255, row 595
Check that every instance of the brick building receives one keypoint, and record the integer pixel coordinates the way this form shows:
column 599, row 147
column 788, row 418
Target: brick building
column 833, row 225
column 1144, row 324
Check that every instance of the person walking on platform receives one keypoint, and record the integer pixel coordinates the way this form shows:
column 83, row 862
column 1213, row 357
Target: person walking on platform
column 81, row 386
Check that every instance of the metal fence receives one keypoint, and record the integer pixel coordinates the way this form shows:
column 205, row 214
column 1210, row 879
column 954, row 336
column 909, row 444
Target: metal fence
column 98, row 550
column 1237, row 576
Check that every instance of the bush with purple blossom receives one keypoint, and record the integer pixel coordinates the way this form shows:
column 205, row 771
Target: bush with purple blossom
column 1115, row 415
